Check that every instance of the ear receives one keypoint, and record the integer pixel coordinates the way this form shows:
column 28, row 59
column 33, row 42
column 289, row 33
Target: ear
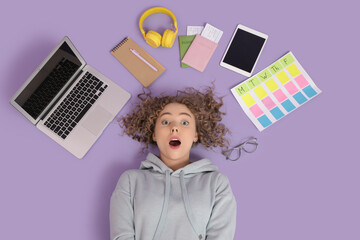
column 196, row 138
column 153, row 137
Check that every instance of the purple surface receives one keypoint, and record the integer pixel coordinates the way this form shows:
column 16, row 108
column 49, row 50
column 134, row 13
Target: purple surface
column 303, row 181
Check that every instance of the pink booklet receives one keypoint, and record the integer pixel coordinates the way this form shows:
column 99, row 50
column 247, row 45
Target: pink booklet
column 199, row 53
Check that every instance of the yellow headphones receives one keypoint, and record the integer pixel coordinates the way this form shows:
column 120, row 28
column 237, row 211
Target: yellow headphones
column 153, row 38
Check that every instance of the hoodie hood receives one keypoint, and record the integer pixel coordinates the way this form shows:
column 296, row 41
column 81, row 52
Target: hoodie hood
column 155, row 164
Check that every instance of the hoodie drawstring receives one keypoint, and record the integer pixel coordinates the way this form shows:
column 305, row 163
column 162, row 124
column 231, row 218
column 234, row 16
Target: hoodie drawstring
column 160, row 225
column 187, row 205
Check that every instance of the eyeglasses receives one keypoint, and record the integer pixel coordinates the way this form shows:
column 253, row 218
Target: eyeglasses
column 234, row 153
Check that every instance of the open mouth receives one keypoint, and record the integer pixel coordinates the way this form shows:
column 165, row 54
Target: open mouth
column 174, row 143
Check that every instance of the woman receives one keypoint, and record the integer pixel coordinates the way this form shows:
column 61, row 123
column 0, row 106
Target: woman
column 170, row 197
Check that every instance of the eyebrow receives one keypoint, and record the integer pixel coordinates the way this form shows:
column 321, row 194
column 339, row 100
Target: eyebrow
column 167, row 113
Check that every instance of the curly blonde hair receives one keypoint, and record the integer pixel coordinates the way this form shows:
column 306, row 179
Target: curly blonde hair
column 140, row 123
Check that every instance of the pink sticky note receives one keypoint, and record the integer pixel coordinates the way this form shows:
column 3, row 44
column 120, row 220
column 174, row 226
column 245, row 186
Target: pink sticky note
column 280, row 96
column 269, row 104
column 256, row 110
column 301, row 81
column 199, row 53
column 291, row 88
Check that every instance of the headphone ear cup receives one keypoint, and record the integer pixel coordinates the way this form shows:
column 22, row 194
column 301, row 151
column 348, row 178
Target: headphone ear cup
column 153, row 38
column 168, row 38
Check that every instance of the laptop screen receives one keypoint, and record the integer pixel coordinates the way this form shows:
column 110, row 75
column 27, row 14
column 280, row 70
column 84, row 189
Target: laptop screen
column 49, row 81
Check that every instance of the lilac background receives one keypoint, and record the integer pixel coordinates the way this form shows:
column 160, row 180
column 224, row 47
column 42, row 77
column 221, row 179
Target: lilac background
column 303, row 181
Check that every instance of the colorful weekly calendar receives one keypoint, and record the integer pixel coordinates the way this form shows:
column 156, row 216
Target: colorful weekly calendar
column 275, row 92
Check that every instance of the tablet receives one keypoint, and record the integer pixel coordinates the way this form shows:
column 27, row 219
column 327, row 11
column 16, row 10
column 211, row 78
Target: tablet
column 244, row 50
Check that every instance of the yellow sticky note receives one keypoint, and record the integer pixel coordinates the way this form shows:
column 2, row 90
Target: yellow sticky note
column 249, row 101
column 271, row 84
column 283, row 77
column 293, row 70
column 260, row 92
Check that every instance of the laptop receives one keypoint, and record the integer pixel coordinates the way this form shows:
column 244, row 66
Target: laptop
column 68, row 100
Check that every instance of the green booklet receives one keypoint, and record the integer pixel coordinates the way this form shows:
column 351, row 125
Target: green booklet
column 184, row 44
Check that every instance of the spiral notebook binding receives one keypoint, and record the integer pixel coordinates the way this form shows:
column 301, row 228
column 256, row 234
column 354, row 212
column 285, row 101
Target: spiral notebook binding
column 120, row 44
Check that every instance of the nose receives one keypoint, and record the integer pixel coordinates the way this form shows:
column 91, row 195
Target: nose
column 174, row 129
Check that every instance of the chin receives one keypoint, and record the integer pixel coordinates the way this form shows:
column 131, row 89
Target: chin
column 177, row 154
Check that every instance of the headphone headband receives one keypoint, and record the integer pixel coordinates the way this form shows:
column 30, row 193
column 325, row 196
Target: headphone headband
column 157, row 10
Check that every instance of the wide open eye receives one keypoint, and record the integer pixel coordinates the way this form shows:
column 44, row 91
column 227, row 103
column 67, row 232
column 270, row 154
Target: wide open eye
column 185, row 123
column 165, row 122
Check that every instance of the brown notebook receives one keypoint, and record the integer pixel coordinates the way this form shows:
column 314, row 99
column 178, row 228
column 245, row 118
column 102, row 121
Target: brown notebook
column 138, row 62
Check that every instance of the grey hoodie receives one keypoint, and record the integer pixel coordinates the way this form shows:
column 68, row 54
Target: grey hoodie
column 157, row 203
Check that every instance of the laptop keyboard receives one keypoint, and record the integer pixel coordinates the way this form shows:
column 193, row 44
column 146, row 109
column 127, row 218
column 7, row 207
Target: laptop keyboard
column 71, row 110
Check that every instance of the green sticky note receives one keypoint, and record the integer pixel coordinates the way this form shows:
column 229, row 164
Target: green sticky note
column 287, row 59
column 253, row 82
column 275, row 67
column 242, row 89
column 184, row 44
column 264, row 75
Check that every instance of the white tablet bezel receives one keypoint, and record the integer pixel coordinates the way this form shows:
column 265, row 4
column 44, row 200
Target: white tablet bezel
column 236, row 69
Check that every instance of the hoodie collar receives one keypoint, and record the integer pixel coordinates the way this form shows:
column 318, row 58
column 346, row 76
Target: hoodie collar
column 155, row 164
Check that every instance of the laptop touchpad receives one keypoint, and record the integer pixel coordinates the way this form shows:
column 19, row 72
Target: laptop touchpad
column 97, row 120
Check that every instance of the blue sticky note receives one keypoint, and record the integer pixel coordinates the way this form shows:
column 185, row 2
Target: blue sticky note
column 300, row 98
column 265, row 121
column 277, row 113
column 288, row 105
column 309, row 91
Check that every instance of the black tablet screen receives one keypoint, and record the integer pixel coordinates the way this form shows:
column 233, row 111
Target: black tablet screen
column 244, row 50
